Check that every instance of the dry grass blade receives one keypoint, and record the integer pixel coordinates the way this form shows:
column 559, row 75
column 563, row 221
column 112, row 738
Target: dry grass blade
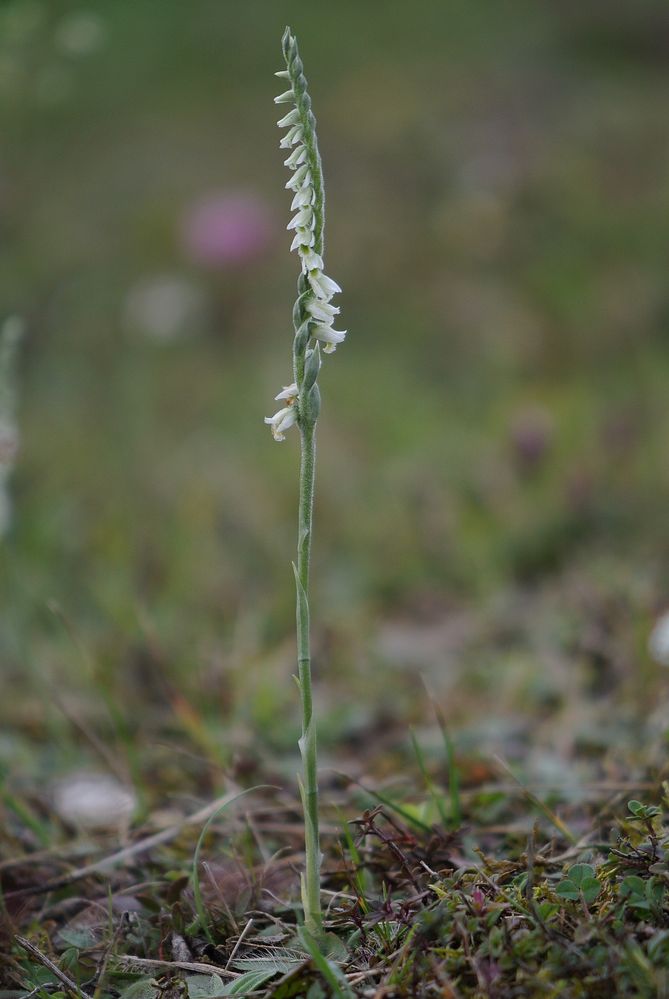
column 46, row 962
column 130, row 961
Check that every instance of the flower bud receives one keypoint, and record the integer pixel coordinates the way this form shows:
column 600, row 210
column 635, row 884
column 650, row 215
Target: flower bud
column 311, row 368
column 311, row 406
column 299, row 310
column 301, row 340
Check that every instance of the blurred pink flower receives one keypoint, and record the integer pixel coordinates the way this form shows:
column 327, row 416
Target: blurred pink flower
column 226, row 229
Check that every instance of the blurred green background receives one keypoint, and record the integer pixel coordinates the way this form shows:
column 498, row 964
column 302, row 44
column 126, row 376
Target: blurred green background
column 493, row 475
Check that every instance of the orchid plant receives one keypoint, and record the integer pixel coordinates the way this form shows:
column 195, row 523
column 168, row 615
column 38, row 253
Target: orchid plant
column 313, row 320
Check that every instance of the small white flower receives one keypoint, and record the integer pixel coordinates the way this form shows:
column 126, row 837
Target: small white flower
column 658, row 643
column 283, row 74
column 296, row 158
column 303, row 237
column 303, row 220
column 289, row 393
column 328, row 336
column 322, row 286
column 292, row 137
column 301, row 178
column 292, row 118
column 286, row 98
column 281, row 421
column 310, row 259
column 324, row 312
column 305, row 196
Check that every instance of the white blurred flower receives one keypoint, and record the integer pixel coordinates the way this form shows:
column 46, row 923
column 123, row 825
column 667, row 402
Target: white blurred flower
column 80, row 33
column 165, row 307
column 658, row 642
column 93, row 802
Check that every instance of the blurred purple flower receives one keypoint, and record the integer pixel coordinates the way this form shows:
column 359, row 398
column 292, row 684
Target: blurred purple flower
column 226, row 229
column 532, row 434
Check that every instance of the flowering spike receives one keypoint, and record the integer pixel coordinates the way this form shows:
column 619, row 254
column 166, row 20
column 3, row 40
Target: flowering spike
column 314, row 314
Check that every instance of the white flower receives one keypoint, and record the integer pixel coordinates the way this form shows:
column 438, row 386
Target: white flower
column 281, row 421
column 296, row 158
column 286, row 98
column 303, row 237
column 310, row 259
column 324, row 312
column 303, row 220
column 322, row 286
column 289, row 392
column 292, row 118
column 305, row 196
column 658, row 643
column 328, row 336
column 292, row 137
column 301, row 178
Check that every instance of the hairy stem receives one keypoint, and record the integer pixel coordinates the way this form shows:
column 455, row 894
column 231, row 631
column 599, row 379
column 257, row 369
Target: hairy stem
column 311, row 880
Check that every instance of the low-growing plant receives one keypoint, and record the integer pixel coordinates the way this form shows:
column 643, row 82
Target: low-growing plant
column 313, row 321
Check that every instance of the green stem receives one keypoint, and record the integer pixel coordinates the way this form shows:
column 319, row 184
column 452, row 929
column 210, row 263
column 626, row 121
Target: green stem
column 311, row 881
